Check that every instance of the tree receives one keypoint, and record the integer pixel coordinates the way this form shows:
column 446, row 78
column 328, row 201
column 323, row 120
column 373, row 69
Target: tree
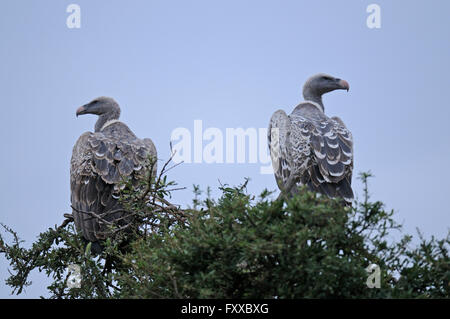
column 238, row 246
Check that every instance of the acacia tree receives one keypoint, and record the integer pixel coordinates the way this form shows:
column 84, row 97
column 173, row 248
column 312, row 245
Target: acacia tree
column 237, row 246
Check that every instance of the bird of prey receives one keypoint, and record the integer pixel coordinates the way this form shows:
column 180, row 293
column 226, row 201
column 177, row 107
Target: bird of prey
column 309, row 148
column 100, row 161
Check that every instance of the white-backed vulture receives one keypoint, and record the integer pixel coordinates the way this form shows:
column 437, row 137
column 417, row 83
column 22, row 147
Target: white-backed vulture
column 100, row 161
column 309, row 148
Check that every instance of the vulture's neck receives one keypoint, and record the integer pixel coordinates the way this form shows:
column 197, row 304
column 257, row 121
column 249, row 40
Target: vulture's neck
column 104, row 118
column 314, row 97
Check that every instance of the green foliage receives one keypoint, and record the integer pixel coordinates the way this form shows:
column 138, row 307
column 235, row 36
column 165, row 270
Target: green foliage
column 240, row 246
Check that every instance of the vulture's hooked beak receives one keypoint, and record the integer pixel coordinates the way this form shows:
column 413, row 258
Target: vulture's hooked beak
column 344, row 85
column 81, row 110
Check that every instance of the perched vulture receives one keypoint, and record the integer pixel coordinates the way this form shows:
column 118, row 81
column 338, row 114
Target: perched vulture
column 309, row 148
column 101, row 160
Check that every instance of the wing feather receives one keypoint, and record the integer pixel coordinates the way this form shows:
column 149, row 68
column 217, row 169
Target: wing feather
column 333, row 150
column 318, row 150
column 277, row 135
column 99, row 162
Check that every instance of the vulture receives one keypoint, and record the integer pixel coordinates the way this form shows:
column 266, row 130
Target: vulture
column 310, row 149
column 101, row 160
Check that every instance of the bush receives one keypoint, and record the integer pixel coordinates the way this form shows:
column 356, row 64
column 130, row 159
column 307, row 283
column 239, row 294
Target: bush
column 240, row 246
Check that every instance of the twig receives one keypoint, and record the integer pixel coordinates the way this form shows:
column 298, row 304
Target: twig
column 69, row 219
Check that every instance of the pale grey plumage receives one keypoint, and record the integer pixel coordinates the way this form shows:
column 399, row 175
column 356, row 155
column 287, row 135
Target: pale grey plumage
column 309, row 148
column 100, row 160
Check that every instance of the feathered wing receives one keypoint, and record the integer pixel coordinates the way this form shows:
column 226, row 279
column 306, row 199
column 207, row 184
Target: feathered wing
column 99, row 162
column 277, row 136
column 330, row 169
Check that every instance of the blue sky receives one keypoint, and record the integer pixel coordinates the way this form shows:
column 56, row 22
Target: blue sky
column 230, row 64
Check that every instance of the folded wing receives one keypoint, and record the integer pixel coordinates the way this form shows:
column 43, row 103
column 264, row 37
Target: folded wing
column 99, row 163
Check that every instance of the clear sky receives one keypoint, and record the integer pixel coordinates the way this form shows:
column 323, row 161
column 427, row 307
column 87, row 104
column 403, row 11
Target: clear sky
column 230, row 64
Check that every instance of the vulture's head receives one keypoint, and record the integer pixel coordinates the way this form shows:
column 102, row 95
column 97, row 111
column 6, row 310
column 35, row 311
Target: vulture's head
column 322, row 83
column 101, row 106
